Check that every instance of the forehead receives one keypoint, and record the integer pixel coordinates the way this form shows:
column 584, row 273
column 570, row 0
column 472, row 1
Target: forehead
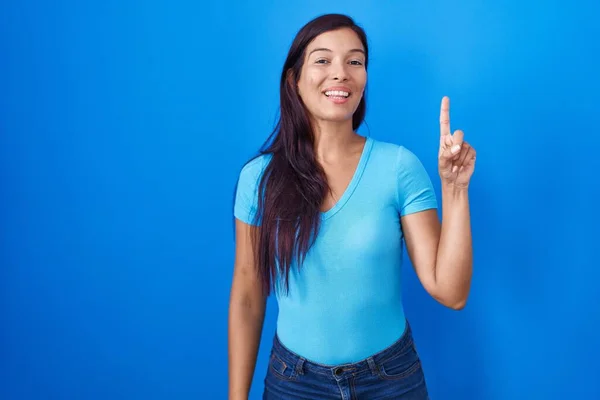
column 340, row 40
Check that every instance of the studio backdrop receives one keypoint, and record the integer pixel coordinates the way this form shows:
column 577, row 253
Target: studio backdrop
column 123, row 128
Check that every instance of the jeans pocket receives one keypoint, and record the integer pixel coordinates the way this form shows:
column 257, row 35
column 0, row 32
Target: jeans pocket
column 280, row 369
column 401, row 366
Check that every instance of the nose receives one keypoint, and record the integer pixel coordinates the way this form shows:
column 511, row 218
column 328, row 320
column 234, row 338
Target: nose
column 339, row 72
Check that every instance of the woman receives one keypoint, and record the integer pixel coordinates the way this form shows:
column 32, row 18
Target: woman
column 326, row 235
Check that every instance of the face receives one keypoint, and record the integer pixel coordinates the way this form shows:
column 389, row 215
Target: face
column 333, row 77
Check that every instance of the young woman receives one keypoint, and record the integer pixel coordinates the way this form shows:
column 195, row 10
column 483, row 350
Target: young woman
column 321, row 215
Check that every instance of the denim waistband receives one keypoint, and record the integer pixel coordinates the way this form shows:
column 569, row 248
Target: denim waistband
column 368, row 365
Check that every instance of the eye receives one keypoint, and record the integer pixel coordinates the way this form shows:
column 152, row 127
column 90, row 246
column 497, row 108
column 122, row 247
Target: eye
column 321, row 61
column 356, row 62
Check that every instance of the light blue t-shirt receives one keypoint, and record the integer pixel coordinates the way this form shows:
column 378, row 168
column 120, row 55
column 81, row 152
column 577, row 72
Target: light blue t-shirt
column 345, row 302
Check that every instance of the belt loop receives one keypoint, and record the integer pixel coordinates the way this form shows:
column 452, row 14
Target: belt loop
column 373, row 366
column 300, row 366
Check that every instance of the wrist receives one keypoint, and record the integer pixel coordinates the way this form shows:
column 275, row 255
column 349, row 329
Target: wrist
column 238, row 394
column 453, row 186
column 454, row 191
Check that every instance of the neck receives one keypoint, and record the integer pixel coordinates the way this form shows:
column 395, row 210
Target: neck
column 333, row 140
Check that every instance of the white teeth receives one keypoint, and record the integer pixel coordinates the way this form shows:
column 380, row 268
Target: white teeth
column 336, row 93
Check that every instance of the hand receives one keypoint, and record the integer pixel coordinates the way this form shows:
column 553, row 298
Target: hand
column 456, row 159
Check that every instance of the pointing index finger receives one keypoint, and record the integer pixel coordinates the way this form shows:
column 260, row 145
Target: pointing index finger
column 445, row 117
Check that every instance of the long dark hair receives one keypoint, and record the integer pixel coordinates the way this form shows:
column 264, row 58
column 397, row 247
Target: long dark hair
column 293, row 186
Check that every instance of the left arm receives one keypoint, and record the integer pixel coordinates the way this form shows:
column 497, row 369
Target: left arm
column 442, row 253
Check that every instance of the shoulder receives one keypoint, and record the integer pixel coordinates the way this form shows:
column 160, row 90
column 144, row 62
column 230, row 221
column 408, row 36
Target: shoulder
column 253, row 169
column 246, row 197
column 413, row 187
column 396, row 154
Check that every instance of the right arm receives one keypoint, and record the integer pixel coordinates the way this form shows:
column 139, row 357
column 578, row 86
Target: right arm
column 247, row 305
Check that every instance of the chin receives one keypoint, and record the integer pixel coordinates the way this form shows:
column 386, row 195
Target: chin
column 335, row 118
column 339, row 115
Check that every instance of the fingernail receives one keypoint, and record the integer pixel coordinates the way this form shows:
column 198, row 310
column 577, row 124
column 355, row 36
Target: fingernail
column 455, row 149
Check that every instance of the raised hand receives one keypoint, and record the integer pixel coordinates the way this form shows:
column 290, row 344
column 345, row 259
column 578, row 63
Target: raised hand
column 456, row 159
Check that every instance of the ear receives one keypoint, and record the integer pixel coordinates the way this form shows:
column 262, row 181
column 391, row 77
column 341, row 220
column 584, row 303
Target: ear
column 290, row 78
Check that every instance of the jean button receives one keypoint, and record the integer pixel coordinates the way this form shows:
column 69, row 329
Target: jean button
column 338, row 371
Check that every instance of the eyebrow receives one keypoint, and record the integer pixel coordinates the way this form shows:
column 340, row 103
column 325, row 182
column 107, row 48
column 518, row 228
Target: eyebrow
column 326, row 49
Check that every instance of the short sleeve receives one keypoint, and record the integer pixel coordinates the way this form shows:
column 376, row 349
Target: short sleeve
column 246, row 195
column 415, row 190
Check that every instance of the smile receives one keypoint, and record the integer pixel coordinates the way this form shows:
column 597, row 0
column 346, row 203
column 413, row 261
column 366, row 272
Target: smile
column 337, row 93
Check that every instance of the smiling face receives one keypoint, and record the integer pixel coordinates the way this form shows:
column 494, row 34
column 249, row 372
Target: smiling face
column 333, row 76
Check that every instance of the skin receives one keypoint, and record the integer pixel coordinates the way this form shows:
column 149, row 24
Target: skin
column 334, row 59
column 247, row 306
column 440, row 252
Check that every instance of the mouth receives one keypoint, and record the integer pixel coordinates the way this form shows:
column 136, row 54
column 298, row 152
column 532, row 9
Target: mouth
column 337, row 93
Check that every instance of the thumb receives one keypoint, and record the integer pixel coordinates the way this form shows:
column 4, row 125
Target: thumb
column 457, row 142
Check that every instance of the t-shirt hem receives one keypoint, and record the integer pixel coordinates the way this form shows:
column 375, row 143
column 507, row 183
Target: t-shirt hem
column 420, row 206
column 245, row 216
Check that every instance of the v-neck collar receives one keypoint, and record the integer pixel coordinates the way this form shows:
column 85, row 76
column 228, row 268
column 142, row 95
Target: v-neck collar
column 362, row 162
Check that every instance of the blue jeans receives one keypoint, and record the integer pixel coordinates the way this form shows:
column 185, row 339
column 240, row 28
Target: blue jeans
column 394, row 373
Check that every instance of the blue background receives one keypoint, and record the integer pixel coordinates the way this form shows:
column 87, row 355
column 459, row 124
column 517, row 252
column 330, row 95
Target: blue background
column 124, row 125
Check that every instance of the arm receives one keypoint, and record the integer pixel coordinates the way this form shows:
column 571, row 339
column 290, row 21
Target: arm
column 246, row 315
column 442, row 253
